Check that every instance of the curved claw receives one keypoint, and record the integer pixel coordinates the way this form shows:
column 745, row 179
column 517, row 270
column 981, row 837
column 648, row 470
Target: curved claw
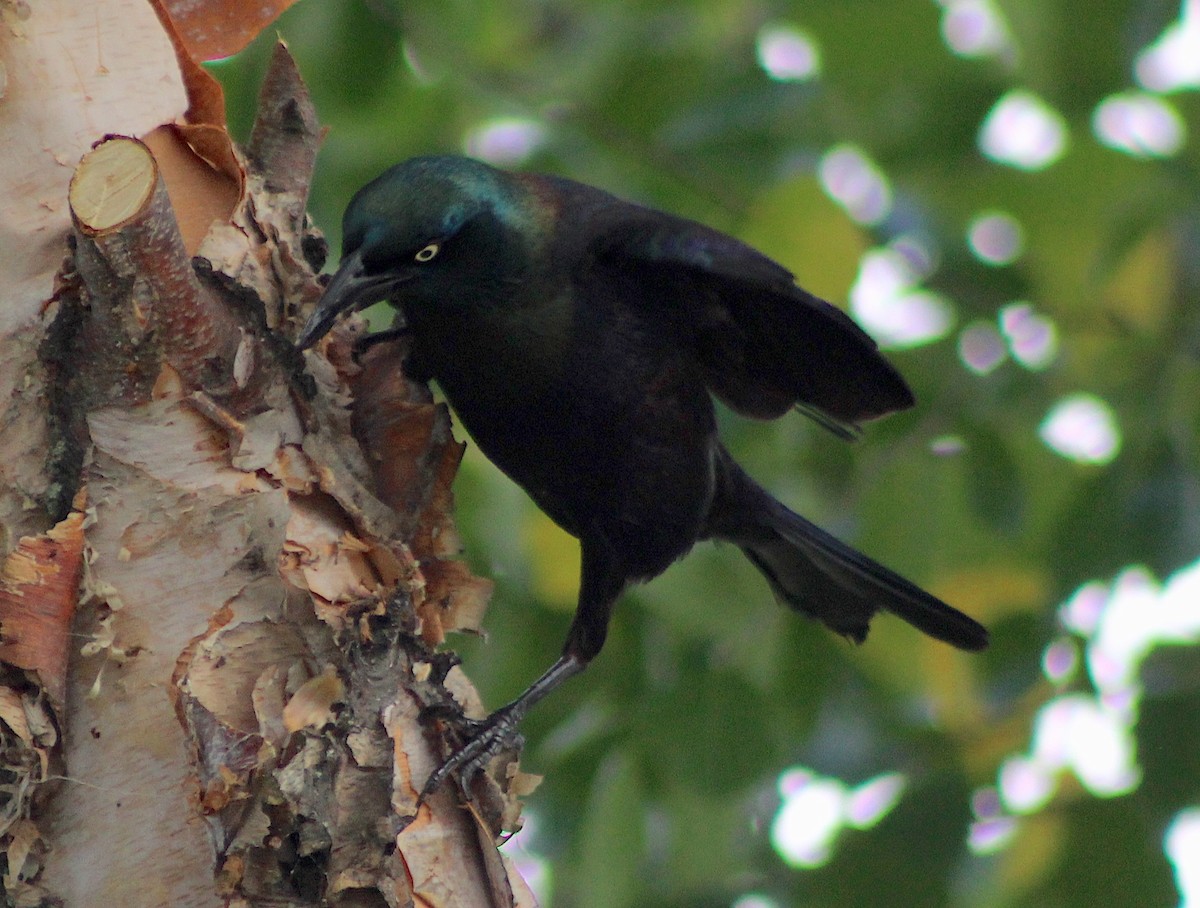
column 488, row 737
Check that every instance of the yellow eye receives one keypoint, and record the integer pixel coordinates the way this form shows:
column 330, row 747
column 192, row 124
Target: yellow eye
column 427, row 253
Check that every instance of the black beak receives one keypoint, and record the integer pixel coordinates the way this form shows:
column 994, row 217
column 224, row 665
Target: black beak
column 349, row 290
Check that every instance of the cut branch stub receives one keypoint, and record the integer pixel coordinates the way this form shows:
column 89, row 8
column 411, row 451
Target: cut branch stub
column 112, row 185
column 122, row 212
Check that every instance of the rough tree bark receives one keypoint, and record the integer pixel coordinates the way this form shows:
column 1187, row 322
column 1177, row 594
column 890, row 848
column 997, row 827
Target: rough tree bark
column 219, row 605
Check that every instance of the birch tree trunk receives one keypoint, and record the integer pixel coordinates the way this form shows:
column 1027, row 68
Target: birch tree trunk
column 219, row 603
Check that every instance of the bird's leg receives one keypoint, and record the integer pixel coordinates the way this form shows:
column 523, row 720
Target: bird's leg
column 600, row 583
column 491, row 735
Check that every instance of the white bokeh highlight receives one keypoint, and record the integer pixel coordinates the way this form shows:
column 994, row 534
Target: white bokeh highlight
column 996, row 238
column 505, row 141
column 888, row 302
column 1173, row 61
column 1090, row 733
column 1181, row 842
column 816, row 809
column 1032, row 337
column 1023, row 131
column 854, row 181
column 1083, row 428
column 787, row 54
column 975, row 28
column 1139, row 124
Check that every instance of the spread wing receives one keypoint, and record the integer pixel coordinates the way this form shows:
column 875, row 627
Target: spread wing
column 765, row 344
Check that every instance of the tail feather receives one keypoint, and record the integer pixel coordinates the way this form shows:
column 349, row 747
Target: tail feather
column 813, row 572
column 817, row 574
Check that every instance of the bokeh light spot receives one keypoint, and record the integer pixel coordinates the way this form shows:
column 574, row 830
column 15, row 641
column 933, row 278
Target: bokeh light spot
column 416, row 66
column 787, row 54
column 815, row 809
column 853, row 181
column 1093, row 740
column 1181, row 842
column 1083, row 611
column 1139, row 124
column 1025, row 784
column 505, row 141
column 1082, row 427
column 1032, row 338
column 1136, row 618
column 807, row 823
column 918, row 251
column 988, row 836
column 755, row 900
column 1092, row 733
column 981, row 348
column 947, row 446
column 1023, row 131
column 1060, row 661
column 886, row 302
column 871, row 801
column 1173, row 61
column 533, row 868
column 974, row 28
column 985, row 803
column 996, row 238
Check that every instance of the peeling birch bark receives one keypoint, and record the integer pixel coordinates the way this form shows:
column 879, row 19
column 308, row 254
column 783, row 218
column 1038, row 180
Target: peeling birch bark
column 240, row 722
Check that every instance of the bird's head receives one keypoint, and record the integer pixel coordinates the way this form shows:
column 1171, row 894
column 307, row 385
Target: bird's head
column 420, row 227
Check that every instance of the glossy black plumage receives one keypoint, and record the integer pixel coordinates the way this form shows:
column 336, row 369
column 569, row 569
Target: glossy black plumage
column 579, row 339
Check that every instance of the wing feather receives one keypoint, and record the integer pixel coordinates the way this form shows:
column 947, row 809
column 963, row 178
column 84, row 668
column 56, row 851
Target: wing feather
column 765, row 344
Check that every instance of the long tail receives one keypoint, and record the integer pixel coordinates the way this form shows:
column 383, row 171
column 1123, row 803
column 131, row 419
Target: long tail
column 816, row 574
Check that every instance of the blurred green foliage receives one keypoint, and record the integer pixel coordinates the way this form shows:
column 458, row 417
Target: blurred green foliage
column 661, row 762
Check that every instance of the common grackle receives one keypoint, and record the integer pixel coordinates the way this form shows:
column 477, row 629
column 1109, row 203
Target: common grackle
column 580, row 338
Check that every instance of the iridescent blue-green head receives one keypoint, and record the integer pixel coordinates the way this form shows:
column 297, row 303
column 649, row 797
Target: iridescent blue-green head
column 431, row 227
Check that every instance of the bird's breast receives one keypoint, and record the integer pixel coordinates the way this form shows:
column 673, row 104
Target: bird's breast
column 501, row 370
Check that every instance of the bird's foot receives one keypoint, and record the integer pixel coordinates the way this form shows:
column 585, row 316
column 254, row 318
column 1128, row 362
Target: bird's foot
column 485, row 739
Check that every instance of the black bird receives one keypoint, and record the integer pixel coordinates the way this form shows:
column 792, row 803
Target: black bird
column 580, row 339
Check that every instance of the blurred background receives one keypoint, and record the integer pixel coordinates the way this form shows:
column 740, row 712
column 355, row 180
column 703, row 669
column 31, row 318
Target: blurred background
column 1004, row 193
